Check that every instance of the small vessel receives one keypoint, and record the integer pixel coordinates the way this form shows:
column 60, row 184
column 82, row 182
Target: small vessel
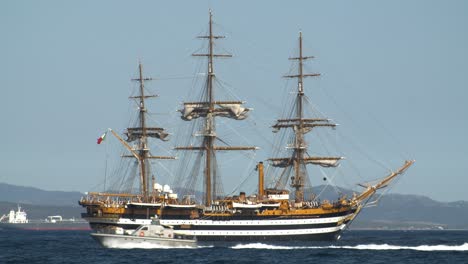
column 19, row 220
column 153, row 235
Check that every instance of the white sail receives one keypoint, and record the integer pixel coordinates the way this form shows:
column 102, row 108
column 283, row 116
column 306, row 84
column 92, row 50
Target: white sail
column 236, row 111
column 281, row 163
column 154, row 132
column 324, row 162
column 230, row 110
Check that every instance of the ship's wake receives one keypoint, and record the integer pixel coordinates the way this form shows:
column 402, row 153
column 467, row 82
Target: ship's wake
column 463, row 247
column 147, row 245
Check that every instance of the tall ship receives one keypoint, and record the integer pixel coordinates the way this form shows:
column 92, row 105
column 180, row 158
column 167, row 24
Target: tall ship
column 284, row 210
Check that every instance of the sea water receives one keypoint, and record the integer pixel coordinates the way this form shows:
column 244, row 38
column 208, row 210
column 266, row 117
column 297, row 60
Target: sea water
column 19, row 246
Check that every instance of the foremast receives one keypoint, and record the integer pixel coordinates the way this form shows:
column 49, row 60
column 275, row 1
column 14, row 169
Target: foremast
column 140, row 134
column 300, row 126
column 208, row 109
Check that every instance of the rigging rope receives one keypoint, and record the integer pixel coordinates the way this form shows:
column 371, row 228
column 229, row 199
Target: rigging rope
column 237, row 188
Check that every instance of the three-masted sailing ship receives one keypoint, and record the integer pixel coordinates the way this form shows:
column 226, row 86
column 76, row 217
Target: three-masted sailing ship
column 273, row 213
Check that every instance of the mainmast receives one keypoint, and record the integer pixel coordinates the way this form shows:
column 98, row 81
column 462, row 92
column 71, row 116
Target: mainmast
column 208, row 109
column 141, row 150
column 210, row 124
column 301, row 126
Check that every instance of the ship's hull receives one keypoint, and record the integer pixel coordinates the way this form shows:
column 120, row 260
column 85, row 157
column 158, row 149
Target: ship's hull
column 78, row 225
column 127, row 241
column 281, row 228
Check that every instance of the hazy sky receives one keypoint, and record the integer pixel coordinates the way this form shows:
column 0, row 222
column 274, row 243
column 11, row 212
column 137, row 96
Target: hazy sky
column 395, row 75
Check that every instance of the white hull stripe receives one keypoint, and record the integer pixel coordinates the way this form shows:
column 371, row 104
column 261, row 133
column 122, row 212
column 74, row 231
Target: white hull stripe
column 255, row 222
column 196, row 222
column 290, row 232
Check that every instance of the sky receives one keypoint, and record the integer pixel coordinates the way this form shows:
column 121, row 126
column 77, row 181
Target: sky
column 394, row 76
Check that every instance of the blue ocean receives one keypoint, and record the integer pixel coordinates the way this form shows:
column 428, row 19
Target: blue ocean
column 20, row 246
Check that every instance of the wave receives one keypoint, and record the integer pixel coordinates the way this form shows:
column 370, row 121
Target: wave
column 463, row 247
column 148, row 245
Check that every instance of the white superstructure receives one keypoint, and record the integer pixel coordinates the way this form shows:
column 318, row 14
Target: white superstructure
column 18, row 217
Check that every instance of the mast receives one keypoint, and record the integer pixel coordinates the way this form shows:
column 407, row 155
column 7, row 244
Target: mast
column 298, row 181
column 141, row 151
column 301, row 126
column 208, row 137
column 209, row 109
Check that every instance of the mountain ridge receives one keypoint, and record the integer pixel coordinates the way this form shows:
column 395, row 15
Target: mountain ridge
column 35, row 196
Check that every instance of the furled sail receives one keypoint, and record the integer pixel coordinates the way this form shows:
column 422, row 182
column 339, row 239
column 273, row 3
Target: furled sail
column 281, row 162
column 322, row 161
column 154, row 132
column 302, row 125
column 233, row 110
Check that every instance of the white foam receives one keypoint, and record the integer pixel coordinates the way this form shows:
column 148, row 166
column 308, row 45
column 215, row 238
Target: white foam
column 146, row 245
column 264, row 246
column 463, row 247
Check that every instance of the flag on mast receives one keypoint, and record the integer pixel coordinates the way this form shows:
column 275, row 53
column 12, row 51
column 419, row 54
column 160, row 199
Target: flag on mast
column 101, row 138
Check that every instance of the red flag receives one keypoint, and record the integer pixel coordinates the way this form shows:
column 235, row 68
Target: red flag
column 101, row 138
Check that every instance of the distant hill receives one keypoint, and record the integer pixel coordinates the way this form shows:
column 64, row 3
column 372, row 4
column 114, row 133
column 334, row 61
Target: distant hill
column 398, row 211
column 414, row 212
column 393, row 211
column 35, row 196
column 38, row 203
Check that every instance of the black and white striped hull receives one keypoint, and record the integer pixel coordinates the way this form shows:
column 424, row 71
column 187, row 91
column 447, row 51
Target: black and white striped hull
column 279, row 229
column 327, row 228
